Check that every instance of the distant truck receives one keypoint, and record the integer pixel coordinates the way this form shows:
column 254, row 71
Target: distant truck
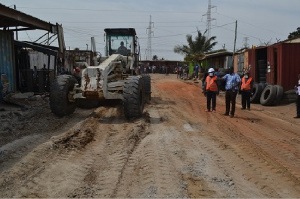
column 114, row 78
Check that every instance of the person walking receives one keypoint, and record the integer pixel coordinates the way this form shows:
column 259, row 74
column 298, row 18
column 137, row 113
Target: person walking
column 211, row 90
column 298, row 97
column 232, row 82
column 246, row 90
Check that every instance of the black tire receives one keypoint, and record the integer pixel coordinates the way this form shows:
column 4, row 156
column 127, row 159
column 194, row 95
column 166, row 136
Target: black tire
column 279, row 94
column 133, row 97
column 59, row 101
column 147, row 87
column 262, row 79
column 262, row 71
column 257, row 90
column 268, row 96
column 263, row 85
column 262, row 62
column 290, row 92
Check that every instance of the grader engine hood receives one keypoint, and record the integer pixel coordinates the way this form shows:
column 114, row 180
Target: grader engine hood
column 104, row 80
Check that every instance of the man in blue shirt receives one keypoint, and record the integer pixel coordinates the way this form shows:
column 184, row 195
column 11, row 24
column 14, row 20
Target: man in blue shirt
column 232, row 83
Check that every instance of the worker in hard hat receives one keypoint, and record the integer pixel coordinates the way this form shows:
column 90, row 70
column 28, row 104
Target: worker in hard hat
column 211, row 90
column 246, row 90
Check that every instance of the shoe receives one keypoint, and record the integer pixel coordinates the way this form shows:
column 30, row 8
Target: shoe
column 243, row 108
column 226, row 114
column 248, row 109
column 214, row 111
column 207, row 110
column 297, row 117
column 231, row 116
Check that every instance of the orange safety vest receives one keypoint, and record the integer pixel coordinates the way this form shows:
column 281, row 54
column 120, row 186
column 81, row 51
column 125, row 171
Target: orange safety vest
column 211, row 85
column 246, row 85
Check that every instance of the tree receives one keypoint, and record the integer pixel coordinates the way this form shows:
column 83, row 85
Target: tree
column 294, row 34
column 196, row 49
column 155, row 57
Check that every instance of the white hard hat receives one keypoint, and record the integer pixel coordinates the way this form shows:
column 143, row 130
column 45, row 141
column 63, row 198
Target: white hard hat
column 211, row 70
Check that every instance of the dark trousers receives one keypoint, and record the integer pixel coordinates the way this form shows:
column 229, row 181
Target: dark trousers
column 211, row 100
column 230, row 97
column 246, row 99
column 298, row 106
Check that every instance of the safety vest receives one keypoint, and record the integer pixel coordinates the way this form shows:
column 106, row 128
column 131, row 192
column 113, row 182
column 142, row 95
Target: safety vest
column 246, row 85
column 211, row 85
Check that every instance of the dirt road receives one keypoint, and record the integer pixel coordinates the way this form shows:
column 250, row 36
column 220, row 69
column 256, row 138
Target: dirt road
column 175, row 150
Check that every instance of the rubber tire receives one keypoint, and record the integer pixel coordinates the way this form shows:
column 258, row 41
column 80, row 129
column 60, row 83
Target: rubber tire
column 279, row 94
column 59, row 90
column 268, row 96
column 257, row 90
column 147, row 87
column 133, row 97
column 290, row 92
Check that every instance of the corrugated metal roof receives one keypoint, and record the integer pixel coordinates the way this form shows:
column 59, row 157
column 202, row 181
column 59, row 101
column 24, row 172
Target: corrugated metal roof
column 11, row 18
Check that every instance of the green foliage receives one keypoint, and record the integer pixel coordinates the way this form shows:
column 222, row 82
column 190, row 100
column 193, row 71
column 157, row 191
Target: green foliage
column 155, row 57
column 294, row 34
column 196, row 49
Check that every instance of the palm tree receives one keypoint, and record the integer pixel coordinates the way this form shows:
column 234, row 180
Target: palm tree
column 195, row 50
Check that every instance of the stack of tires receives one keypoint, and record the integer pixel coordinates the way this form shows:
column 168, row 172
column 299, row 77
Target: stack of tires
column 267, row 95
column 262, row 71
column 289, row 96
column 271, row 95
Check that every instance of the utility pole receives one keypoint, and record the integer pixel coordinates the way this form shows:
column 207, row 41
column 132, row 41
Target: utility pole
column 17, row 36
column 246, row 42
column 235, row 34
column 150, row 33
column 209, row 19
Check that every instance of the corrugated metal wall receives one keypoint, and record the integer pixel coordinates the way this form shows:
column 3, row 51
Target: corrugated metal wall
column 7, row 58
column 252, row 62
column 290, row 67
column 284, row 60
column 38, row 59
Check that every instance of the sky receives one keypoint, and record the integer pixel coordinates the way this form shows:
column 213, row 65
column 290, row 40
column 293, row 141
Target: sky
column 259, row 22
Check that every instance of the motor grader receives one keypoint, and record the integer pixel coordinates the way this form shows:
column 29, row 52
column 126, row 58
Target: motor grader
column 114, row 78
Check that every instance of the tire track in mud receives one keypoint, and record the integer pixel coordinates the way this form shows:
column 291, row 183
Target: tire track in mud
column 150, row 171
column 114, row 149
column 211, row 120
column 254, row 160
column 202, row 175
column 272, row 143
column 57, row 176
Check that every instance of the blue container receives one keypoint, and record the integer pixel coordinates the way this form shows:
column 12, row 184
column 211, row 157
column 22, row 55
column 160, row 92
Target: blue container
column 7, row 60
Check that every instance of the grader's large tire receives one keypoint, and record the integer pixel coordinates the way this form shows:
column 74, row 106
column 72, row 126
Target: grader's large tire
column 59, row 101
column 147, row 87
column 133, row 97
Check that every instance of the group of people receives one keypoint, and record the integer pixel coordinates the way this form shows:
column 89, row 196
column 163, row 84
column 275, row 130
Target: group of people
column 233, row 85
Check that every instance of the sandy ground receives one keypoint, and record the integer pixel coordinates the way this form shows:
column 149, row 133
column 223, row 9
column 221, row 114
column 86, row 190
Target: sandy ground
column 175, row 150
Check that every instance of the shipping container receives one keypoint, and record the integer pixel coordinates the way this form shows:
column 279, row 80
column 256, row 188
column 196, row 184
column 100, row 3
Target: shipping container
column 257, row 60
column 283, row 64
